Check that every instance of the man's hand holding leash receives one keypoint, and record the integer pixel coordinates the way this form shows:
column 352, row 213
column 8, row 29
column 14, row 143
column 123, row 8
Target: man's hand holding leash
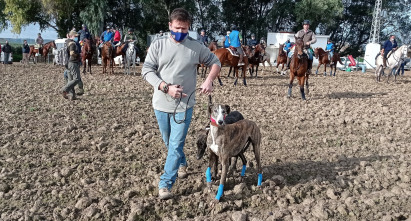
column 207, row 86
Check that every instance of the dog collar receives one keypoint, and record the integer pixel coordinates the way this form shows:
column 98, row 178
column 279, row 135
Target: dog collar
column 213, row 122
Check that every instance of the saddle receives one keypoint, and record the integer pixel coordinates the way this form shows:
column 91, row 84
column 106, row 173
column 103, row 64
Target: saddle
column 233, row 51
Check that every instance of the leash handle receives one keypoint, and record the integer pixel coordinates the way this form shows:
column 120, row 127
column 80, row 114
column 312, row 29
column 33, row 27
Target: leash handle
column 178, row 104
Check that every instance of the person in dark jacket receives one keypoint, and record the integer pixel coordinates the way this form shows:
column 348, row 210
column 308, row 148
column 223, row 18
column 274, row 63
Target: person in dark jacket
column 389, row 45
column 26, row 51
column 6, row 50
column 73, row 67
column 84, row 33
column 252, row 42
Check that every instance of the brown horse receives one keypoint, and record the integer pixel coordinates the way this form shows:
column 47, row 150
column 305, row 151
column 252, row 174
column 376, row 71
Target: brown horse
column 298, row 68
column 333, row 64
column 322, row 57
column 212, row 46
column 226, row 58
column 86, row 54
column 42, row 51
column 254, row 57
column 281, row 58
column 107, row 57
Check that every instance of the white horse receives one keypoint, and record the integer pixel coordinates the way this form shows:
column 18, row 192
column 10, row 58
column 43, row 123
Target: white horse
column 393, row 62
column 130, row 59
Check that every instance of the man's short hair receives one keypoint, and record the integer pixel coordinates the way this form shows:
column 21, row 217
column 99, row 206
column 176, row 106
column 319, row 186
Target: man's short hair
column 180, row 14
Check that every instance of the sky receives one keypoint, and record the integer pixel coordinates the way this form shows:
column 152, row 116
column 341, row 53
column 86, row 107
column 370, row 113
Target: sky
column 30, row 32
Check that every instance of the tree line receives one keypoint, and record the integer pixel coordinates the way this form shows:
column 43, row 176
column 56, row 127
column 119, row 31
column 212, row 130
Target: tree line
column 348, row 22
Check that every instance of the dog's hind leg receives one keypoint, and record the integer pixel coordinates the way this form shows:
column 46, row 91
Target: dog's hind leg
column 212, row 169
column 256, row 146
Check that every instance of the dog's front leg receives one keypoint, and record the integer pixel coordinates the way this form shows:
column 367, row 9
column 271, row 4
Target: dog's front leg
column 224, row 171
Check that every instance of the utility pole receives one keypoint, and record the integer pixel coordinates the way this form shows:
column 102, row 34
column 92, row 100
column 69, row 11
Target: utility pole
column 373, row 47
column 376, row 22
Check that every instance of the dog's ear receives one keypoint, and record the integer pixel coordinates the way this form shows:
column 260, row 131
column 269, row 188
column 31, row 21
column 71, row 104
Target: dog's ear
column 227, row 109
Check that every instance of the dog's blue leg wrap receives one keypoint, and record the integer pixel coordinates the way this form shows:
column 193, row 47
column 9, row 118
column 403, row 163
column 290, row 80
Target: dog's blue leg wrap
column 220, row 192
column 243, row 170
column 260, row 179
column 208, row 174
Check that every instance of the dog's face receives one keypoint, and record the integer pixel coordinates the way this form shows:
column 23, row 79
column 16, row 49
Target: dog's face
column 219, row 112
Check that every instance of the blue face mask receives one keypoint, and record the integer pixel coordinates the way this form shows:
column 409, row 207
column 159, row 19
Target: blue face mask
column 178, row 36
column 76, row 39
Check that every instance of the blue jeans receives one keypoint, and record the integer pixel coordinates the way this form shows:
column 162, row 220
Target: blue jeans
column 174, row 136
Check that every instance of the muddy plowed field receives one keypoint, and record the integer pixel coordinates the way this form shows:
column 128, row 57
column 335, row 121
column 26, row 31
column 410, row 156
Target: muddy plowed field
column 344, row 154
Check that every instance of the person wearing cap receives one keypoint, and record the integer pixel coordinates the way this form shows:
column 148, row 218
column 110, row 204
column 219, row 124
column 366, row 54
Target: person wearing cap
column 330, row 49
column 226, row 40
column 107, row 35
column 308, row 38
column 129, row 37
column 73, row 66
column 203, row 38
column 235, row 41
column 84, row 33
column 252, row 42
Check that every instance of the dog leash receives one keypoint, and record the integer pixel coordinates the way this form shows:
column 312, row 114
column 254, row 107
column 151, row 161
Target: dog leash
column 178, row 104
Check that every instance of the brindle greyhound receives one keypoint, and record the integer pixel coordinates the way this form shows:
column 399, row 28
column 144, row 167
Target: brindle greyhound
column 229, row 140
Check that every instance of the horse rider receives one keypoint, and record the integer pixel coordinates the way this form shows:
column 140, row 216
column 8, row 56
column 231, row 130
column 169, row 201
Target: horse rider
column 106, row 36
column 309, row 38
column 84, row 34
column 73, row 29
column 117, row 36
column 39, row 43
column 235, row 41
column 203, row 38
column 389, row 45
column 129, row 37
column 226, row 40
column 330, row 49
column 287, row 48
column 252, row 42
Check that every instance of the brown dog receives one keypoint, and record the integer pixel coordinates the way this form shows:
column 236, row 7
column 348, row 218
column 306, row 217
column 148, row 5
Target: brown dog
column 230, row 140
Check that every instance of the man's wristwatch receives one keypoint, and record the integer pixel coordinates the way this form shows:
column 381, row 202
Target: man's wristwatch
column 164, row 89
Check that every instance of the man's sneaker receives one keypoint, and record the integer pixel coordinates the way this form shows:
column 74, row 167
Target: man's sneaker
column 164, row 194
column 182, row 172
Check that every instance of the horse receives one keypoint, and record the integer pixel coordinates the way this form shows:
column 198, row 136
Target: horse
column 118, row 50
column 254, row 57
column 265, row 58
column 212, row 46
column 226, row 58
column 322, row 57
column 42, row 51
column 333, row 63
column 130, row 58
column 298, row 68
column 394, row 59
column 281, row 58
column 107, row 56
column 87, row 54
